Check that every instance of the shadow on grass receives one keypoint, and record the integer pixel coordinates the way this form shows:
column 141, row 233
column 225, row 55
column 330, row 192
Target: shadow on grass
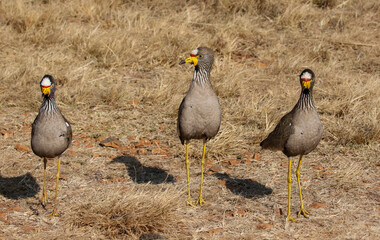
column 142, row 174
column 244, row 187
column 24, row 186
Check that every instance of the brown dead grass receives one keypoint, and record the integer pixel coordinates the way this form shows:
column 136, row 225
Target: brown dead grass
column 131, row 212
column 116, row 65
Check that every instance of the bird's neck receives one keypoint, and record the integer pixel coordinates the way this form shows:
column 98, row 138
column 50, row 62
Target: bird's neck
column 201, row 76
column 48, row 104
column 306, row 100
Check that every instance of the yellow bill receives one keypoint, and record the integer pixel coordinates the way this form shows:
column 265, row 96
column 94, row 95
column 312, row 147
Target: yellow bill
column 192, row 59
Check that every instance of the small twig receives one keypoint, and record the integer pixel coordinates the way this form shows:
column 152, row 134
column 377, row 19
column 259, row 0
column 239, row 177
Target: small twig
column 342, row 4
column 355, row 43
column 347, row 43
column 87, row 64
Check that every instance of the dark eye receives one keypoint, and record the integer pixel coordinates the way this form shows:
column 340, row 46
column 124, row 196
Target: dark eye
column 200, row 56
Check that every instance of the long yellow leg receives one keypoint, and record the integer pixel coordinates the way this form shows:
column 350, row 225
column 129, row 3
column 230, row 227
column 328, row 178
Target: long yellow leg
column 55, row 213
column 44, row 192
column 289, row 218
column 298, row 173
column 200, row 200
column 189, row 202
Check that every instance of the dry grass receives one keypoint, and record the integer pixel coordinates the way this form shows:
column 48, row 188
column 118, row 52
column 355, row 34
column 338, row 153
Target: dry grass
column 131, row 212
column 116, row 65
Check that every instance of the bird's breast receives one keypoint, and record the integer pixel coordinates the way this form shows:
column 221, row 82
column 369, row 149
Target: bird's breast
column 307, row 132
column 50, row 138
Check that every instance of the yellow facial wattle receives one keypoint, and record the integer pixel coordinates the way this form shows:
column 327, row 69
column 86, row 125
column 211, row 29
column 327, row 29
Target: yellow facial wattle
column 46, row 90
column 306, row 83
column 193, row 60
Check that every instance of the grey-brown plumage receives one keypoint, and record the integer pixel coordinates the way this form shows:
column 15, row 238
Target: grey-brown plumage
column 199, row 114
column 298, row 132
column 51, row 133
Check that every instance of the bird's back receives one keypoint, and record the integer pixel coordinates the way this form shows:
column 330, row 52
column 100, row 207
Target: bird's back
column 277, row 139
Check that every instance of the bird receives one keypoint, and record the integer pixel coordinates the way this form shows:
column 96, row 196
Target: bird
column 297, row 133
column 51, row 134
column 199, row 114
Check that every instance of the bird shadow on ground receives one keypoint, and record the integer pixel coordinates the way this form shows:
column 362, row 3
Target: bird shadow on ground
column 142, row 174
column 244, row 187
column 24, row 186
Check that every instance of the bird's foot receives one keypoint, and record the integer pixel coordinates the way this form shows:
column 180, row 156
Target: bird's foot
column 303, row 212
column 53, row 214
column 190, row 202
column 200, row 201
column 44, row 200
column 289, row 218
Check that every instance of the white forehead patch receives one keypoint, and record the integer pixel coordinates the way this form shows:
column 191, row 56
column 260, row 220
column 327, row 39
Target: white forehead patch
column 306, row 75
column 46, row 82
column 194, row 52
